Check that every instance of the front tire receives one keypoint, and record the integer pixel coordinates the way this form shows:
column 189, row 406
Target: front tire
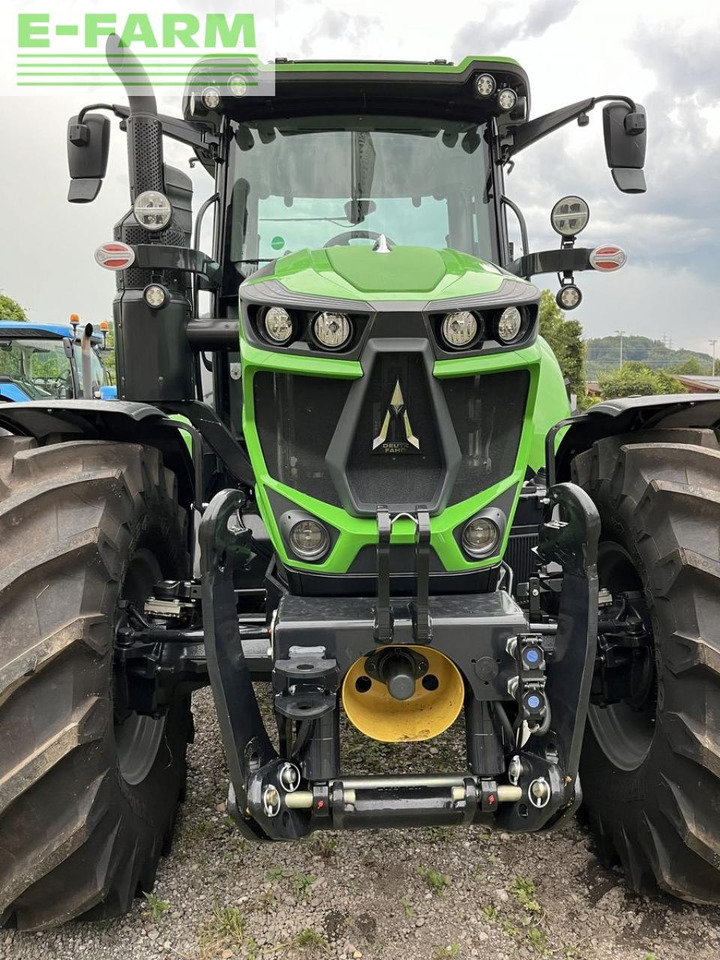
column 650, row 770
column 86, row 801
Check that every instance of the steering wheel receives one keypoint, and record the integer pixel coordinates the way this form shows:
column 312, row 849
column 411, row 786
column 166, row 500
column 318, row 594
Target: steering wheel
column 343, row 239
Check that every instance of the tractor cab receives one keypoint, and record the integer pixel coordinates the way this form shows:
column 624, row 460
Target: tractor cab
column 41, row 361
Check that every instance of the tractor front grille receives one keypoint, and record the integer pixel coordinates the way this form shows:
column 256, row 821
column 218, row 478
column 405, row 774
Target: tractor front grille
column 395, row 452
column 296, row 417
column 487, row 411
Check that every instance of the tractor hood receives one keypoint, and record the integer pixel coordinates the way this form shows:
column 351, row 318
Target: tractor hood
column 360, row 273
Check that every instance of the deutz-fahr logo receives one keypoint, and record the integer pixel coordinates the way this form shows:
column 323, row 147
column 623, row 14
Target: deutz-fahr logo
column 396, row 434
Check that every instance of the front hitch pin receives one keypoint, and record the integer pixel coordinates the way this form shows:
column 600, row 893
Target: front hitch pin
column 271, row 801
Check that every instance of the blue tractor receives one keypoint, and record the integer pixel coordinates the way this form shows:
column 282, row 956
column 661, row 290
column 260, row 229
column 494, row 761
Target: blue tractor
column 51, row 361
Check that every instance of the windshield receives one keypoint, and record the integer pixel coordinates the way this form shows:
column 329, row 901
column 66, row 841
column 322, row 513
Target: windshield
column 37, row 369
column 315, row 182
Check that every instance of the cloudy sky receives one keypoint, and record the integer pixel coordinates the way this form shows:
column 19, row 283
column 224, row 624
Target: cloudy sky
column 662, row 53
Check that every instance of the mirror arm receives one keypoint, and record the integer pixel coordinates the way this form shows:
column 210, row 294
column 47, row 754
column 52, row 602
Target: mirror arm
column 535, row 130
column 184, row 131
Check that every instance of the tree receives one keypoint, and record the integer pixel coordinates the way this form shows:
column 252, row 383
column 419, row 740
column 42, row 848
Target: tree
column 109, row 354
column 565, row 339
column 691, row 367
column 635, row 379
column 10, row 309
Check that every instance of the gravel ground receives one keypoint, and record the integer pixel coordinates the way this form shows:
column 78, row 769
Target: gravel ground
column 379, row 894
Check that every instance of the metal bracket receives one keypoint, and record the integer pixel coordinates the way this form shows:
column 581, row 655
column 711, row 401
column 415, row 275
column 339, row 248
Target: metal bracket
column 420, row 607
column 383, row 611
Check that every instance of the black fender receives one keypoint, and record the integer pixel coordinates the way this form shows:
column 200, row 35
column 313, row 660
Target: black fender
column 627, row 415
column 52, row 421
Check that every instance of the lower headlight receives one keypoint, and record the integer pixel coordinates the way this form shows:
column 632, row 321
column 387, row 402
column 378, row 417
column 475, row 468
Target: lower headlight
column 509, row 325
column 459, row 329
column 309, row 539
column 332, row 330
column 156, row 296
column 480, row 537
column 278, row 325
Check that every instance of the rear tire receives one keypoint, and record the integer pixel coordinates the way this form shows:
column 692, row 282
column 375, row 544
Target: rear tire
column 85, row 805
column 650, row 780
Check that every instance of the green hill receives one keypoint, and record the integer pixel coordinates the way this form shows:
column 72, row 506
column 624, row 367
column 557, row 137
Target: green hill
column 603, row 356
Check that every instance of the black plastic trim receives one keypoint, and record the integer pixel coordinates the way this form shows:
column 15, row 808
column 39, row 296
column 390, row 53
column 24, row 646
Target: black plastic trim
column 339, row 450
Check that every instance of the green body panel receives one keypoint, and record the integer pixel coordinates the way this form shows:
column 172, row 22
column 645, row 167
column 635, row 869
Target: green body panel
column 355, row 273
column 453, row 274
column 380, row 66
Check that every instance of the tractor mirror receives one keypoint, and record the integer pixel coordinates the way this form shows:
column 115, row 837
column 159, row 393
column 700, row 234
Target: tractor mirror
column 88, row 145
column 625, row 134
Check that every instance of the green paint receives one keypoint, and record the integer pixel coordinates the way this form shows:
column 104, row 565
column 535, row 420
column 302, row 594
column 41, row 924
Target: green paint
column 349, row 66
column 403, row 270
column 406, row 273
column 546, row 405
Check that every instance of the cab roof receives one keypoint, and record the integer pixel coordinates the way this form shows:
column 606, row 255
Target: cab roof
column 12, row 330
column 436, row 88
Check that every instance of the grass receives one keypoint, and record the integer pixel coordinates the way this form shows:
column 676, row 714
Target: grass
column 537, row 939
column 324, row 845
column 437, row 882
column 438, row 834
column 156, row 906
column 407, row 907
column 490, row 913
column 451, row 951
column 302, row 884
column 523, row 889
column 309, row 939
column 226, row 928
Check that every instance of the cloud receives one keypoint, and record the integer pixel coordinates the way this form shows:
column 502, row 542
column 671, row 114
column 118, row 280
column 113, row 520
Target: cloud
column 337, row 26
column 544, row 14
column 677, row 222
column 492, row 35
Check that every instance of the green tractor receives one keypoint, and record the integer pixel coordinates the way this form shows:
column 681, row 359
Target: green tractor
column 386, row 512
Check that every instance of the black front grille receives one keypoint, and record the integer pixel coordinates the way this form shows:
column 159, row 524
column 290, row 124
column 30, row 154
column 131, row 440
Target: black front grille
column 396, row 456
column 487, row 412
column 296, row 417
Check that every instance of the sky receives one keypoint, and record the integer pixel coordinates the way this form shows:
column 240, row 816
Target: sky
column 661, row 53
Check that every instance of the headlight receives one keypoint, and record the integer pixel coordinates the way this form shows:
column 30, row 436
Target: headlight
column 278, row 324
column 485, row 85
column 459, row 328
column 480, row 538
column 506, row 99
column 156, row 296
column 568, row 297
column 211, row 98
column 509, row 325
column 237, row 85
column 309, row 539
column 332, row 330
column 570, row 216
column 152, row 210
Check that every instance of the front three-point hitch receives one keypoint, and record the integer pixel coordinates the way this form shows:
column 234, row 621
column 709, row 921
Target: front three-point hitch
column 405, row 669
